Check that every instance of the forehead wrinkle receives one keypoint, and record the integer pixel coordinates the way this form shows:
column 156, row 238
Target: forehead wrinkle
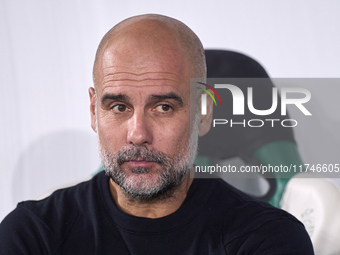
column 138, row 86
column 131, row 80
column 154, row 75
column 136, row 74
column 142, row 77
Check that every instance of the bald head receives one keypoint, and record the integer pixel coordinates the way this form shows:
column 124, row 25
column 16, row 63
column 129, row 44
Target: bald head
column 149, row 37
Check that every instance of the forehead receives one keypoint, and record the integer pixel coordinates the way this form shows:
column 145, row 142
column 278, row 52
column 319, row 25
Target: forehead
column 142, row 71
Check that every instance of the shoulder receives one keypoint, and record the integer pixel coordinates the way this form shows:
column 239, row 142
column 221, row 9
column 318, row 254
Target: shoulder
column 233, row 201
column 255, row 226
column 44, row 224
column 245, row 211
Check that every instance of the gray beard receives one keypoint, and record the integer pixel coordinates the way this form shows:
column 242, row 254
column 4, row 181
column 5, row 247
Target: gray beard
column 169, row 177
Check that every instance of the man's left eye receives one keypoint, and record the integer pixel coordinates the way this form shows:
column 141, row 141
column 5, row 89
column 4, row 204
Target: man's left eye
column 163, row 108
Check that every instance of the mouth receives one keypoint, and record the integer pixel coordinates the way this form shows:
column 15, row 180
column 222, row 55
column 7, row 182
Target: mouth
column 140, row 163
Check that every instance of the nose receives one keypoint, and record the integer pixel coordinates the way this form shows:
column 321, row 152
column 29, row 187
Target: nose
column 139, row 130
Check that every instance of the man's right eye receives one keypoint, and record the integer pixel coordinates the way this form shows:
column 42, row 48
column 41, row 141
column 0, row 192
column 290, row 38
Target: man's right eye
column 119, row 108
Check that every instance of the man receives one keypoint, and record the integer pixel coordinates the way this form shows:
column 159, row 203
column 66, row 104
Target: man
column 147, row 129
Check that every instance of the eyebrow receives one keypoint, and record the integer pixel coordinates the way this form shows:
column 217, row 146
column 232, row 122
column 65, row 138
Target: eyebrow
column 110, row 97
column 170, row 95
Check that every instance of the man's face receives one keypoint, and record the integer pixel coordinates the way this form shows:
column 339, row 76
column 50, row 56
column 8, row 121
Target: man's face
column 143, row 118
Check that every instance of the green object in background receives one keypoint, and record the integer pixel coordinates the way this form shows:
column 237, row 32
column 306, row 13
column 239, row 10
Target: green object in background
column 202, row 161
column 279, row 153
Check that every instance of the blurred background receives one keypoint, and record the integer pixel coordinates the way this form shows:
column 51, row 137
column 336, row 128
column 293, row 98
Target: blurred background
column 47, row 50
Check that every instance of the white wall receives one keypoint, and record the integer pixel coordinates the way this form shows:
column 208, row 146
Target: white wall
column 47, row 50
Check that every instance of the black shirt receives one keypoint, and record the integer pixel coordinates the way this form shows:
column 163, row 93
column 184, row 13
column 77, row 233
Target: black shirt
column 215, row 218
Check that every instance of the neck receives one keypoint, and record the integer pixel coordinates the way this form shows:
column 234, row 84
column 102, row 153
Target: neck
column 151, row 209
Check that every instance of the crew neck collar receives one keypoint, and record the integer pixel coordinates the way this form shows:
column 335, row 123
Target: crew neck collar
column 197, row 196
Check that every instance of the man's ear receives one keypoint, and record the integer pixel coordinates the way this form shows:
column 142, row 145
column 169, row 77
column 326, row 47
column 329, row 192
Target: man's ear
column 93, row 99
column 205, row 120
